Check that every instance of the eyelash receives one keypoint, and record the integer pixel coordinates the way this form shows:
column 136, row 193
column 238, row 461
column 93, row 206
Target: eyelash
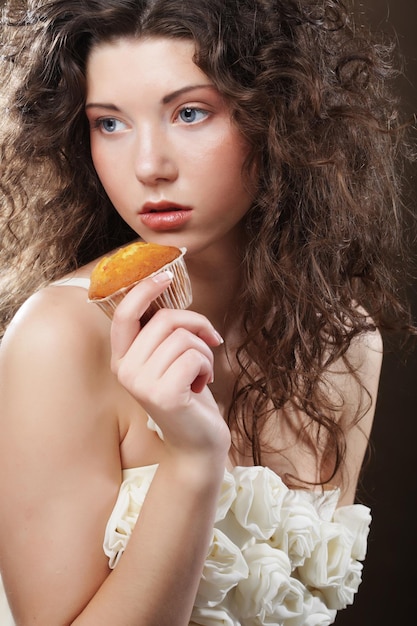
column 99, row 124
column 194, row 110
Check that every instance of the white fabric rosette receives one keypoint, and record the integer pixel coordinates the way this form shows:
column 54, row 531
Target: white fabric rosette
column 226, row 497
column 315, row 612
column 224, row 568
column 6, row 618
column 269, row 595
column 213, row 616
column 260, row 493
column 330, row 565
column 339, row 596
column 356, row 520
column 278, row 556
column 298, row 533
column 125, row 513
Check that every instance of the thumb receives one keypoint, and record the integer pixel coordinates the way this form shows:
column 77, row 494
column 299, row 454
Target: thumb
column 126, row 322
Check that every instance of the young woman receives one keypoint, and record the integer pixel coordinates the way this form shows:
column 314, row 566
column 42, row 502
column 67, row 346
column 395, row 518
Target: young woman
column 203, row 468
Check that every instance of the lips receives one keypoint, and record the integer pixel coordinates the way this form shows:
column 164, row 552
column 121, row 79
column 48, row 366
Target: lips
column 164, row 215
column 163, row 206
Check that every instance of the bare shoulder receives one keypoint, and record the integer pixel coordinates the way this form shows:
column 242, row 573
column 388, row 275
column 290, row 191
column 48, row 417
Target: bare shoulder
column 58, row 318
column 367, row 347
column 358, row 389
column 58, row 417
column 365, row 356
column 55, row 352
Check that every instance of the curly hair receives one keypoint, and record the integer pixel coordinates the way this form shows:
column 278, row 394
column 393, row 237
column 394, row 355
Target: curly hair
column 312, row 94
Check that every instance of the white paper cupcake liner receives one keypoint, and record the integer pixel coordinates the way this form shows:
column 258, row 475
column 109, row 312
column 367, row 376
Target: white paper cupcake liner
column 177, row 295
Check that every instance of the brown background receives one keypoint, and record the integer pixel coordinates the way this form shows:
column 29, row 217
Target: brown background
column 388, row 592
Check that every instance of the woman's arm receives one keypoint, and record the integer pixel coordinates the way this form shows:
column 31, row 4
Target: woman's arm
column 61, row 469
column 354, row 400
column 365, row 354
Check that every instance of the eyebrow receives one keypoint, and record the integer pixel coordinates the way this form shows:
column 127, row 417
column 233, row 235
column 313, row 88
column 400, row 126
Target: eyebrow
column 179, row 92
column 165, row 100
column 101, row 105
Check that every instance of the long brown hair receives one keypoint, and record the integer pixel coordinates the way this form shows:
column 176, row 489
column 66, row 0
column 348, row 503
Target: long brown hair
column 312, row 95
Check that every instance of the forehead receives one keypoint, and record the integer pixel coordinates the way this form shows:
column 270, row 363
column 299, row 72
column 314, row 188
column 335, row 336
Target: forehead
column 142, row 62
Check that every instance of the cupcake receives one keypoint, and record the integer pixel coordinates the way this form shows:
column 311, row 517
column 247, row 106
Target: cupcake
column 113, row 276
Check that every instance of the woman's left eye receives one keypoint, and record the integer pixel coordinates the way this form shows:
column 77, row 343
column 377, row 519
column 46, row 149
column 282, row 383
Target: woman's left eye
column 190, row 115
column 110, row 125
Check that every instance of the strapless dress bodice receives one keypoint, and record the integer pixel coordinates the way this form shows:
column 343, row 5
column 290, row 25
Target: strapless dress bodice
column 277, row 556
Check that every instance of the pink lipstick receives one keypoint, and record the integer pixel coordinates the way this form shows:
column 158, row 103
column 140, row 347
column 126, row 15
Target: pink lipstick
column 164, row 215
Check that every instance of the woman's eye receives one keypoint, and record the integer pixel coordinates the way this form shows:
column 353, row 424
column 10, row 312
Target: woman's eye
column 189, row 115
column 110, row 125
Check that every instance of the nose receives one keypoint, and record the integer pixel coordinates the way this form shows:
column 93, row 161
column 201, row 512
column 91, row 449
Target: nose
column 154, row 159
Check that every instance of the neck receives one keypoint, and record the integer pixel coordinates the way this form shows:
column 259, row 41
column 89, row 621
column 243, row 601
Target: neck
column 216, row 283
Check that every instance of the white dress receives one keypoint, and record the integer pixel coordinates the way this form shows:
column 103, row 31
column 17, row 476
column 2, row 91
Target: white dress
column 278, row 556
column 6, row 618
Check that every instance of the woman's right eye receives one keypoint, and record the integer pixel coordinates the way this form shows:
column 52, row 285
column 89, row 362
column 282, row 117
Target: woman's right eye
column 110, row 125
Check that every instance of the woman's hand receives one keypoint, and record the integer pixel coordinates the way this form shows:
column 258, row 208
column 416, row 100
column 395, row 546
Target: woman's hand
column 166, row 366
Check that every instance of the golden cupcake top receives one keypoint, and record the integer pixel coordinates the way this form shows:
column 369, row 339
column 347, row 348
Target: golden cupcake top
column 129, row 265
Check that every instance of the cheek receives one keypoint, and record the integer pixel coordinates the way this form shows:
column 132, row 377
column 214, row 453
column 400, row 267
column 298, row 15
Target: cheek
column 233, row 154
column 231, row 174
column 106, row 168
column 96, row 157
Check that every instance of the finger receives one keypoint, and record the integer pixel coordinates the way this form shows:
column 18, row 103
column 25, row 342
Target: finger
column 139, row 374
column 126, row 320
column 169, row 322
column 168, row 352
column 190, row 374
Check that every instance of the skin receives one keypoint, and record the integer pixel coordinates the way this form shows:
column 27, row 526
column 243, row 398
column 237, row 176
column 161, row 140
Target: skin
column 75, row 390
column 152, row 151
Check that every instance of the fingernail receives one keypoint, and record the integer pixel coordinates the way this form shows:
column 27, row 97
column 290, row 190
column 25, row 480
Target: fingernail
column 219, row 337
column 163, row 277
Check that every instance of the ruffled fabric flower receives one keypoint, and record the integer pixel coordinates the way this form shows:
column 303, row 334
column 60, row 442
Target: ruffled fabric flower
column 330, row 560
column 298, row 533
column 227, row 496
column 215, row 616
column 125, row 513
column 269, row 595
column 315, row 612
column 260, row 493
column 152, row 425
column 224, row 568
column 356, row 519
column 278, row 556
column 334, row 565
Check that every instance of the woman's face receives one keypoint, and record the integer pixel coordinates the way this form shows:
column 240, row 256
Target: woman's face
column 163, row 144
